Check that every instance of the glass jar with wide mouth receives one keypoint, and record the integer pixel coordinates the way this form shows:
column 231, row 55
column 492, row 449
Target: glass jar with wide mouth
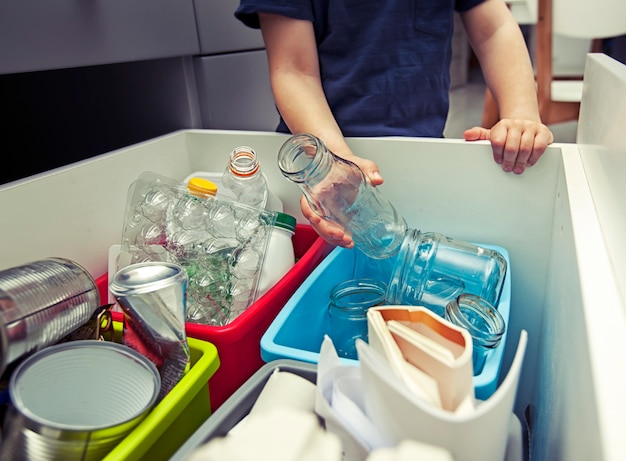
column 347, row 311
column 431, row 270
column 483, row 321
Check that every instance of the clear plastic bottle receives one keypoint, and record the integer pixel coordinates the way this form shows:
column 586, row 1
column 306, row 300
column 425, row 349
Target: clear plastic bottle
column 274, row 203
column 338, row 190
column 186, row 224
column 243, row 177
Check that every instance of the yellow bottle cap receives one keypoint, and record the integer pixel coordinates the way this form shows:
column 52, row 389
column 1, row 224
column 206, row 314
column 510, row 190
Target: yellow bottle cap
column 201, row 187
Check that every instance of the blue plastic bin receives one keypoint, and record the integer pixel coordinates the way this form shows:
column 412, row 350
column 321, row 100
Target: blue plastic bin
column 299, row 328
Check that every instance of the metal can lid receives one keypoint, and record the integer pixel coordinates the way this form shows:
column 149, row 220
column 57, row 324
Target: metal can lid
column 146, row 277
column 72, row 386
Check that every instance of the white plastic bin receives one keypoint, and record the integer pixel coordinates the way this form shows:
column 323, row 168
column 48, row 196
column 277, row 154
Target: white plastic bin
column 562, row 221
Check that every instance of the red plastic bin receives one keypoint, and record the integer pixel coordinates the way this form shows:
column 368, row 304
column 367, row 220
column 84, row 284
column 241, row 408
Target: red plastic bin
column 238, row 343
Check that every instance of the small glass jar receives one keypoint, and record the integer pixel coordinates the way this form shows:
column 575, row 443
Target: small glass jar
column 431, row 270
column 483, row 321
column 347, row 310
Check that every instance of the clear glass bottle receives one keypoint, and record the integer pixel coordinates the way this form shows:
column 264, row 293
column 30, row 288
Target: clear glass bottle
column 339, row 191
column 483, row 321
column 243, row 177
column 432, row 269
column 347, row 312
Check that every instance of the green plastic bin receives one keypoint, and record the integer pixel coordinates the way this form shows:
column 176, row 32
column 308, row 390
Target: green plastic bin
column 178, row 415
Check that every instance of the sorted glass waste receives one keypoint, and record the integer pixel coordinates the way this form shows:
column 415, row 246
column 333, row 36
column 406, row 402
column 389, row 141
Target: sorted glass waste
column 430, row 268
column 220, row 243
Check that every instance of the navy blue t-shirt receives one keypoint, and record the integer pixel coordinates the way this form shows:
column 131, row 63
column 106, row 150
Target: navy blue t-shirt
column 385, row 64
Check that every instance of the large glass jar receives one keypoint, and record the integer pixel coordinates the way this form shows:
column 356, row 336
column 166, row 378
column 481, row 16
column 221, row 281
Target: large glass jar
column 431, row 270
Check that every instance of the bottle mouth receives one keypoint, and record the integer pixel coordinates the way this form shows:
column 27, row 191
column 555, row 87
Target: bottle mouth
column 297, row 153
column 243, row 161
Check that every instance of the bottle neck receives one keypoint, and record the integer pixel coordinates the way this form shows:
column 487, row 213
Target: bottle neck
column 304, row 158
column 243, row 162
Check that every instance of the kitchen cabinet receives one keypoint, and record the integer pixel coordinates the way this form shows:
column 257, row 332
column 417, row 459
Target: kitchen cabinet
column 78, row 79
column 234, row 91
column 231, row 71
column 52, row 118
column 42, row 35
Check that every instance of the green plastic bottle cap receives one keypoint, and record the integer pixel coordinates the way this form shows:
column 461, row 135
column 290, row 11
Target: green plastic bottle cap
column 285, row 221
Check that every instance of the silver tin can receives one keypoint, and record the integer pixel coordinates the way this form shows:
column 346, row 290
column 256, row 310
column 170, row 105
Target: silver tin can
column 77, row 401
column 42, row 302
column 153, row 297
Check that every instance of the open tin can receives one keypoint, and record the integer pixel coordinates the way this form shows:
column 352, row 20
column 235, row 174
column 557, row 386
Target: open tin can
column 42, row 302
column 77, row 401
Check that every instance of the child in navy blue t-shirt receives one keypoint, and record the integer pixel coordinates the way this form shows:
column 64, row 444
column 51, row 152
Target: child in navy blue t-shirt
column 382, row 68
